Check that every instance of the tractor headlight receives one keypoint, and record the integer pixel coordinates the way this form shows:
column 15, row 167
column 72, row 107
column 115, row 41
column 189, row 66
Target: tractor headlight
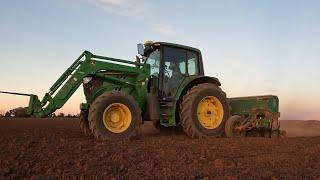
column 86, row 80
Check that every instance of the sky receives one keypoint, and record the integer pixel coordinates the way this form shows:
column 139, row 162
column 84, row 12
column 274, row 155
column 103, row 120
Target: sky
column 254, row 47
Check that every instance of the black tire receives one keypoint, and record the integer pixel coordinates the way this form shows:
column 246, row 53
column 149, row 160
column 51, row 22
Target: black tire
column 84, row 123
column 275, row 134
column 188, row 110
column 283, row 133
column 97, row 109
column 231, row 123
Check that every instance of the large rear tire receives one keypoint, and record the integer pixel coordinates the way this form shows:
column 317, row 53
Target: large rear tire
column 204, row 111
column 114, row 116
column 84, row 123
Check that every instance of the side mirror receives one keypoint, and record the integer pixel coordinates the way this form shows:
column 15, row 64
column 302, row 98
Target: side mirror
column 140, row 49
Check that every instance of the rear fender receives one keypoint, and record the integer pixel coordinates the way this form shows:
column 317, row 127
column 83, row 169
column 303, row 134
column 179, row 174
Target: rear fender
column 191, row 81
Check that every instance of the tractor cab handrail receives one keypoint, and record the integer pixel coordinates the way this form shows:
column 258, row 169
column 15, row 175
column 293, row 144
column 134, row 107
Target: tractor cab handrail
column 116, row 60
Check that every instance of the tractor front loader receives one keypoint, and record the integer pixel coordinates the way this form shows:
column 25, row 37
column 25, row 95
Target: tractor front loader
column 104, row 79
column 166, row 85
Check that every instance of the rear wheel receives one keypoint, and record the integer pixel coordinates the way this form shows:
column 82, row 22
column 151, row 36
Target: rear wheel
column 204, row 111
column 231, row 128
column 114, row 116
column 84, row 123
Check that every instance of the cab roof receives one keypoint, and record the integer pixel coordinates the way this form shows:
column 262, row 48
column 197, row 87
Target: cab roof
column 177, row 45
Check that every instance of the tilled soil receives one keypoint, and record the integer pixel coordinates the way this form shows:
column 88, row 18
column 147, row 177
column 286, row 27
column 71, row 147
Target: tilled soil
column 56, row 149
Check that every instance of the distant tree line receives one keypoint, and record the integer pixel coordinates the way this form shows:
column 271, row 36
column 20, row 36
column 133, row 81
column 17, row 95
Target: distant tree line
column 17, row 112
column 22, row 112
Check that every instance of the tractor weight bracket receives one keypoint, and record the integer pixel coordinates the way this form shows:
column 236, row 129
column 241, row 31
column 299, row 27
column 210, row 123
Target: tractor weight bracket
column 34, row 103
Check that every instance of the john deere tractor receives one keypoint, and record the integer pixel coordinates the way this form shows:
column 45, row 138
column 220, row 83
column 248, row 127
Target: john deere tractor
column 166, row 85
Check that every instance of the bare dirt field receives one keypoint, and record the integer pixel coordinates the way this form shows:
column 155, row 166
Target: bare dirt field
column 296, row 128
column 56, row 149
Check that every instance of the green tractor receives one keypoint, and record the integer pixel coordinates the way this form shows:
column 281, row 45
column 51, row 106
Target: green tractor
column 166, row 85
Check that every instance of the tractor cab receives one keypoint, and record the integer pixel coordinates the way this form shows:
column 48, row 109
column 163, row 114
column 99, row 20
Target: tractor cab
column 170, row 65
column 174, row 69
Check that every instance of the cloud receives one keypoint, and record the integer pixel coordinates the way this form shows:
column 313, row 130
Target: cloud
column 274, row 90
column 164, row 29
column 133, row 8
column 122, row 7
column 112, row 2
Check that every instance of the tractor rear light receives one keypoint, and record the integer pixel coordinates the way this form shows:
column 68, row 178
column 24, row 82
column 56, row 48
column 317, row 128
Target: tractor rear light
column 86, row 80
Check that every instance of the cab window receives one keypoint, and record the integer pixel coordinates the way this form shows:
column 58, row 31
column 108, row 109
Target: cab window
column 178, row 63
column 154, row 61
column 192, row 60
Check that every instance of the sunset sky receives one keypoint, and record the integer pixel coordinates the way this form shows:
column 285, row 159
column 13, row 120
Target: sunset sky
column 253, row 47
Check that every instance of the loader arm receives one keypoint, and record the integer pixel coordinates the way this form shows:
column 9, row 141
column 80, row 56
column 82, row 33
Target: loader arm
column 86, row 65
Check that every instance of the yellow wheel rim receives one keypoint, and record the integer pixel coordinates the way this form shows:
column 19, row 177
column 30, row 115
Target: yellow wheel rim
column 210, row 112
column 117, row 117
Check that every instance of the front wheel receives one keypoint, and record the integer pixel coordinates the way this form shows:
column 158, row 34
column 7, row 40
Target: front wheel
column 114, row 116
column 204, row 111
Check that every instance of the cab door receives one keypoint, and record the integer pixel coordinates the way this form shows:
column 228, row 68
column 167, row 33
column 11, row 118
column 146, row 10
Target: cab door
column 176, row 65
